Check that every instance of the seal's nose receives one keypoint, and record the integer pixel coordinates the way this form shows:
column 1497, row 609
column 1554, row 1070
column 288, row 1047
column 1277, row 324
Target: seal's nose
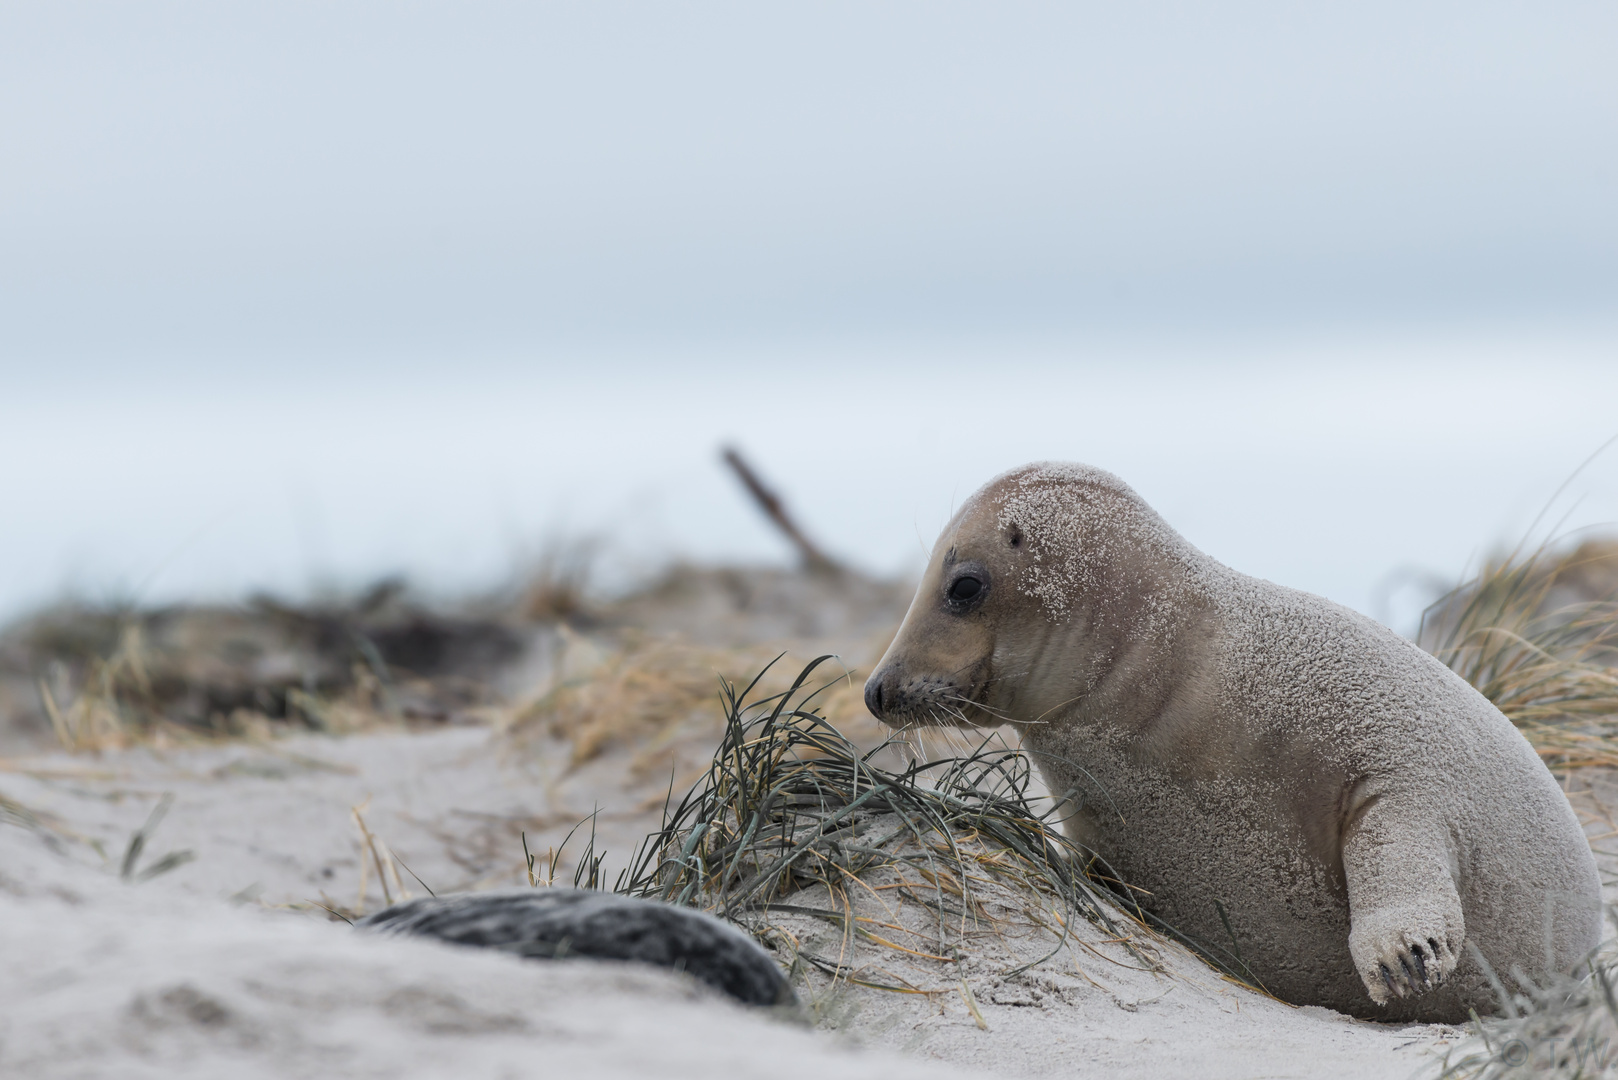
column 873, row 694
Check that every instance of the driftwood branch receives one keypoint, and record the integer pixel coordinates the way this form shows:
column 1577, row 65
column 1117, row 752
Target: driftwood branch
column 768, row 501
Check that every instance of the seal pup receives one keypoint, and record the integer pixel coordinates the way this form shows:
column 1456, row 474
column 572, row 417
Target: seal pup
column 1271, row 774
column 555, row 923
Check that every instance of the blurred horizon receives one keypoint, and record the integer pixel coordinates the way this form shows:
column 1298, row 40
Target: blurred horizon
column 306, row 293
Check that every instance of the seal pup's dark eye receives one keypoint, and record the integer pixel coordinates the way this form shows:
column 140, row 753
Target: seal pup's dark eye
column 964, row 589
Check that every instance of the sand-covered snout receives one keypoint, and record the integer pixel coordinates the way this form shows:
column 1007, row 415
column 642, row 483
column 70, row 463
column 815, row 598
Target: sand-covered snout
column 940, row 664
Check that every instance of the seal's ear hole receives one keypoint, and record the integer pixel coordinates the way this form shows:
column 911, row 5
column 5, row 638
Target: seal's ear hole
column 1015, row 536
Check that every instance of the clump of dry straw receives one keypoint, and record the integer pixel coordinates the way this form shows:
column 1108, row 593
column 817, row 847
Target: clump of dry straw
column 1537, row 633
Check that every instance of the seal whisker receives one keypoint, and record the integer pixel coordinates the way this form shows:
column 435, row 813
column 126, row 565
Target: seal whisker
column 980, row 705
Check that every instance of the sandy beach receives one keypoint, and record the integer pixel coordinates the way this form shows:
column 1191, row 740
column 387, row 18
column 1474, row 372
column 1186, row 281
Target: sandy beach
column 222, row 945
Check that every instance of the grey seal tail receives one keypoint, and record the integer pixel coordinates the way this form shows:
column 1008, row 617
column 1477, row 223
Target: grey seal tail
column 558, row 922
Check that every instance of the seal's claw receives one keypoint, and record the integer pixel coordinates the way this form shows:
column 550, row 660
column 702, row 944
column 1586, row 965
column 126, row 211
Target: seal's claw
column 1419, row 961
column 1401, row 964
column 1394, row 989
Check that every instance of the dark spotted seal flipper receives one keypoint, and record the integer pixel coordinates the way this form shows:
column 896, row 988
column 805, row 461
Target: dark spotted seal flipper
column 558, row 923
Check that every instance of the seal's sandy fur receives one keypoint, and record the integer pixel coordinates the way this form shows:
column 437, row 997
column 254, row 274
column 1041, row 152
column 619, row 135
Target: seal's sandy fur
column 1364, row 817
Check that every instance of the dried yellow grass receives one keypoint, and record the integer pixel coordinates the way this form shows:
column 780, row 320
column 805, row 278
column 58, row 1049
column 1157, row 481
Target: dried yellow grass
column 109, row 711
column 621, row 698
column 644, row 693
column 557, row 587
column 116, row 707
column 1537, row 634
column 48, row 826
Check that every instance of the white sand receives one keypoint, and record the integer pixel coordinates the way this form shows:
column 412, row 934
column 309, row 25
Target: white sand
column 173, row 978
column 105, row 980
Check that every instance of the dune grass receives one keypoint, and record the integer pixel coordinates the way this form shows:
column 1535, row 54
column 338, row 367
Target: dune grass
column 46, row 826
column 790, row 808
column 116, row 708
column 629, row 696
column 115, row 686
column 1537, row 633
column 642, row 693
column 114, row 678
column 1566, row 1029
column 1529, row 634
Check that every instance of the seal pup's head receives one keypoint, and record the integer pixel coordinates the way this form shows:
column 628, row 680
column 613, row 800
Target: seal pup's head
column 1040, row 586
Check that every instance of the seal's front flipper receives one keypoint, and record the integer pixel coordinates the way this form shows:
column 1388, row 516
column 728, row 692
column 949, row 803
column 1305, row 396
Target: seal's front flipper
column 1406, row 928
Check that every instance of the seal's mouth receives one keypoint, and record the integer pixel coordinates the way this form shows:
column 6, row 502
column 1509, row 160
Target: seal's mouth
column 905, row 700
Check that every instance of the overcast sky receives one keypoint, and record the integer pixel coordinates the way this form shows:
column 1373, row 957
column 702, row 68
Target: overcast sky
column 207, row 175
column 305, row 292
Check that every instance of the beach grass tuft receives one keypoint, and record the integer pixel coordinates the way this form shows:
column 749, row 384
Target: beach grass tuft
column 1566, row 1029
column 791, row 815
column 1537, row 633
